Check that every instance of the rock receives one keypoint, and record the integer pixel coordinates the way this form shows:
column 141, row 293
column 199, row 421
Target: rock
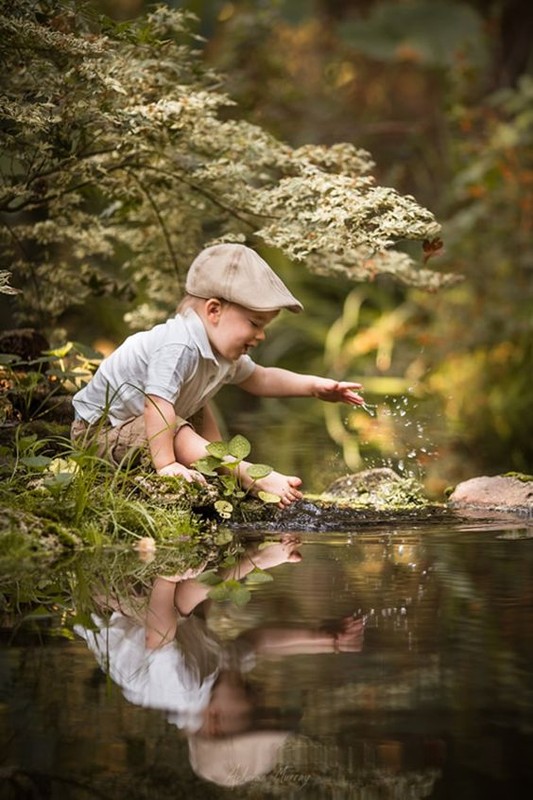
column 379, row 488
column 357, row 483
column 509, row 493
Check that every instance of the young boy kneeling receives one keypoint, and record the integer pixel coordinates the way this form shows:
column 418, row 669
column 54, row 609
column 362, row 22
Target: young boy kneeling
column 155, row 388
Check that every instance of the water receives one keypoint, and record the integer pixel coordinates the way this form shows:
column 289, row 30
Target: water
column 434, row 700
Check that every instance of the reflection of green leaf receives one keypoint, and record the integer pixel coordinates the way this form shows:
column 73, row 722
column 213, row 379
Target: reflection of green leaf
column 258, row 471
column 269, row 497
column 259, row 576
column 220, row 593
column 239, row 447
column 217, row 449
column 240, row 596
column 230, row 590
column 209, row 577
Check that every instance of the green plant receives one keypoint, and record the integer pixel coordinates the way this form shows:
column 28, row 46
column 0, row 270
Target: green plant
column 225, row 463
column 33, row 389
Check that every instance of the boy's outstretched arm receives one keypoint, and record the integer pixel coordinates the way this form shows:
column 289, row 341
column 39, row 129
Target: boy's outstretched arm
column 276, row 382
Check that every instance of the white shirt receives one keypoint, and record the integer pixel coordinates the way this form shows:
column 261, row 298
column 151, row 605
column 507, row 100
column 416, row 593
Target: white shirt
column 161, row 679
column 178, row 677
column 174, row 361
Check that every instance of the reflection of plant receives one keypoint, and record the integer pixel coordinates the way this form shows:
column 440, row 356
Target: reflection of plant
column 225, row 462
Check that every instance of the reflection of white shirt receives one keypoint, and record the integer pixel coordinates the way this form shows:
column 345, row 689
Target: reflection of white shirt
column 174, row 361
column 162, row 679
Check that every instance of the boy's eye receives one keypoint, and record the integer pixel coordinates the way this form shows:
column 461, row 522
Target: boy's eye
column 254, row 324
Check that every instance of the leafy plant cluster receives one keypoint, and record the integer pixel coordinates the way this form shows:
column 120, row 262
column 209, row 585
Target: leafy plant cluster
column 121, row 160
column 60, row 504
column 35, row 388
column 224, row 462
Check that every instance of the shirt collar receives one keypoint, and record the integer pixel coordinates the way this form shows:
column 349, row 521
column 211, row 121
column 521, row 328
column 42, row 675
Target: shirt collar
column 193, row 322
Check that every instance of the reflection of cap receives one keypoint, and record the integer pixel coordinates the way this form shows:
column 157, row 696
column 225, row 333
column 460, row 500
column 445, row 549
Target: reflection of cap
column 238, row 274
column 235, row 760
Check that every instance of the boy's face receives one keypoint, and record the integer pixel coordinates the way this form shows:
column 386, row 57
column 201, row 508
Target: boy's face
column 233, row 330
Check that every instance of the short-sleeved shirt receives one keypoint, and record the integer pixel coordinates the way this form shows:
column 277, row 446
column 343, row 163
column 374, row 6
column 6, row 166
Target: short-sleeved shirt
column 178, row 677
column 174, row 361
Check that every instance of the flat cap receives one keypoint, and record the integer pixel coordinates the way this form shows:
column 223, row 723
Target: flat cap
column 236, row 273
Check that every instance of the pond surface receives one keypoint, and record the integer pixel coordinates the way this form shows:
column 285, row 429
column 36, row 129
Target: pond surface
column 434, row 699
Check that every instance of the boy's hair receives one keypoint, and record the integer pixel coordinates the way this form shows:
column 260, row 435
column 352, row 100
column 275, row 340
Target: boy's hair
column 239, row 275
column 189, row 301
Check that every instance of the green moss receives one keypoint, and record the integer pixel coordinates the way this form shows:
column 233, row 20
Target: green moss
column 520, row 476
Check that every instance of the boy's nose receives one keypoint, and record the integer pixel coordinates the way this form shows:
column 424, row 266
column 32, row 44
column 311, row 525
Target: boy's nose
column 260, row 335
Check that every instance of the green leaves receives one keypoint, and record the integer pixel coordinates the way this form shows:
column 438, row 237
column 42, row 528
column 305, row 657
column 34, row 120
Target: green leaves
column 258, row 471
column 223, row 463
column 232, row 591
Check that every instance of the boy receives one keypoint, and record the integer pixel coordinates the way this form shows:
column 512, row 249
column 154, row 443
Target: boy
column 155, row 388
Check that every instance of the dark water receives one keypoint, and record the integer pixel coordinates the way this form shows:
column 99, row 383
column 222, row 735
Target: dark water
column 435, row 700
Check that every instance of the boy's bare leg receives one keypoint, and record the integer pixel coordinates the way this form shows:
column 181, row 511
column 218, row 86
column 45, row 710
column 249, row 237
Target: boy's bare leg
column 209, row 426
column 189, row 446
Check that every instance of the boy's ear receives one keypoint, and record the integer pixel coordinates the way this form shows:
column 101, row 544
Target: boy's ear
column 212, row 309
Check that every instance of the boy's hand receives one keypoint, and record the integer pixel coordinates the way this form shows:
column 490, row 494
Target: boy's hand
column 338, row 392
column 176, row 470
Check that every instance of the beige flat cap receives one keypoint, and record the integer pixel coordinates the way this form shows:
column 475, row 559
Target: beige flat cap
column 238, row 274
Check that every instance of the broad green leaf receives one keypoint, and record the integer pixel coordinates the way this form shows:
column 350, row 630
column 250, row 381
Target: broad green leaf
column 259, row 576
column 35, row 462
column 239, row 447
column 59, row 480
column 87, row 352
column 258, row 471
column 27, row 441
column 269, row 497
column 217, row 449
column 228, row 482
column 207, row 465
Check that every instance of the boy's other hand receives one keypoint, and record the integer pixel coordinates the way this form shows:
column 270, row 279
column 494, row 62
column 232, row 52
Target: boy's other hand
column 338, row 391
column 176, row 469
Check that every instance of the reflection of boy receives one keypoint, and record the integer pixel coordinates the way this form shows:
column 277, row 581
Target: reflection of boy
column 169, row 659
column 158, row 383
